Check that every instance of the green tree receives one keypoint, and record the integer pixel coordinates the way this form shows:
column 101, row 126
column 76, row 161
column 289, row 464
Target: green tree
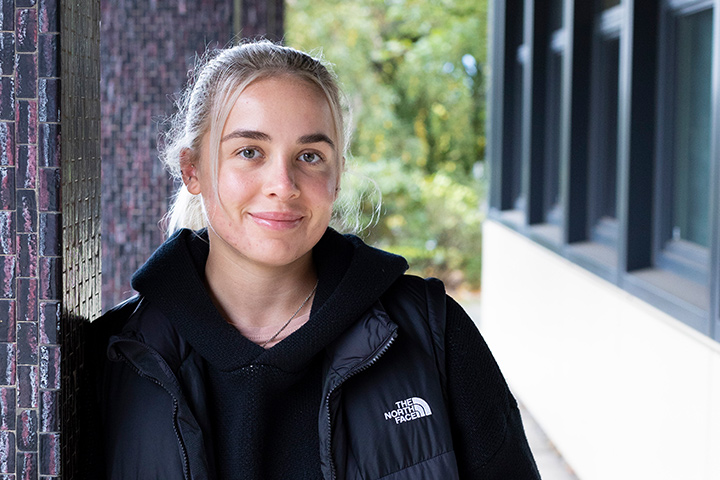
column 413, row 73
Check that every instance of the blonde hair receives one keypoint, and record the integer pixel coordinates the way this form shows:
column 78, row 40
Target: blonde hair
column 202, row 110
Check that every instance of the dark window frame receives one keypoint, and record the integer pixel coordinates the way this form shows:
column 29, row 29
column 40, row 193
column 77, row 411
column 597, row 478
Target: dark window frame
column 679, row 257
column 552, row 195
column 636, row 269
column 603, row 229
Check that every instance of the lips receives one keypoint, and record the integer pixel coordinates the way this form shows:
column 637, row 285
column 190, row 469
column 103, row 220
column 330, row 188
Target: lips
column 277, row 220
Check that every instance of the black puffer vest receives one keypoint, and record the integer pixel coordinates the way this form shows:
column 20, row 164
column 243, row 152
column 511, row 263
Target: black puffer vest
column 384, row 408
column 384, row 411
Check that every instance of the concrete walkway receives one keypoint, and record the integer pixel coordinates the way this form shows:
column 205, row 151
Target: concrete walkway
column 549, row 461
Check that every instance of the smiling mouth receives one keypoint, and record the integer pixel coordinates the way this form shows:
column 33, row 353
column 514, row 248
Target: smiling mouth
column 277, row 220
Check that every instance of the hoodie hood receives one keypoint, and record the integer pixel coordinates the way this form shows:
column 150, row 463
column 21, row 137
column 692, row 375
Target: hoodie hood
column 352, row 277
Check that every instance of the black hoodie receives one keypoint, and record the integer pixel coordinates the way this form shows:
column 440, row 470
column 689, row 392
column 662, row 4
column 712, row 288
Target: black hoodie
column 259, row 408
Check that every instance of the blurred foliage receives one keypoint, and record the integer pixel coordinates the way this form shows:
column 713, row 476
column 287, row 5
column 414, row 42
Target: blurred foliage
column 413, row 73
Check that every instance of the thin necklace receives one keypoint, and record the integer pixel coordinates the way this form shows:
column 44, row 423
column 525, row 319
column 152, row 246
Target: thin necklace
column 293, row 316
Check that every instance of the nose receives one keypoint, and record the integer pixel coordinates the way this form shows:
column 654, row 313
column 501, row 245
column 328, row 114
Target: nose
column 279, row 180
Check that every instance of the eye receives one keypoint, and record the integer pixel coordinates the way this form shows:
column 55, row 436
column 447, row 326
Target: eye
column 249, row 153
column 310, row 157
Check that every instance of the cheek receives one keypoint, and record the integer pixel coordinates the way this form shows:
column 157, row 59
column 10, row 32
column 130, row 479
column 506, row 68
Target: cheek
column 234, row 187
column 328, row 191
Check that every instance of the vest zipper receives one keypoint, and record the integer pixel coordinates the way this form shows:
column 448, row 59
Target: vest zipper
column 186, row 467
column 352, row 372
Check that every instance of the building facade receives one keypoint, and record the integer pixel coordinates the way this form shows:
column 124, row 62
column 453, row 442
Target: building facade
column 601, row 268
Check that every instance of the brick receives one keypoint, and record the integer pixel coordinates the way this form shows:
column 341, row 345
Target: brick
column 50, row 232
column 50, row 411
column 26, row 121
column 49, row 322
column 27, row 255
column 7, row 53
column 7, row 98
column 26, row 29
column 26, row 467
column 27, row 426
column 26, row 173
column 27, row 343
column 49, row 367
column 7, row 142
column 27, row 211
column 48, row 15
column 27, row 310
column 7, row 277
column 27, row 386
column 48, row 55
column 7, row 408
column 7, row 188
column 7, row 320
column 49, row 100
column 25, row 75
column 7, row 16
column 49, row 190
column 8, row 229
column 50, row 453
column 7, row 364
column 7, row 452
column 49, row 145
column 50, row 277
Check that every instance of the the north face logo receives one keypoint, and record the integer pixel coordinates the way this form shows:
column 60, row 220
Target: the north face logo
column 410, row 409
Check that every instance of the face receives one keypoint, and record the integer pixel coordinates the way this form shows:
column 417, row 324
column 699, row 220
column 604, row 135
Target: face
column 278, row 174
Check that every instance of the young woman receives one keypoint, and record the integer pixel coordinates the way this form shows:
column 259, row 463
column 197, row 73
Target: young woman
column 265, row 345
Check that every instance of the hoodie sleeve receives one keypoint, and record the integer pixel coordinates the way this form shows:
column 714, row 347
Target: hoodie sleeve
column 488, row 434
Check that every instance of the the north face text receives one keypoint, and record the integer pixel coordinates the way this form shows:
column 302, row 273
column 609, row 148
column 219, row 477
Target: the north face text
column 410, row 409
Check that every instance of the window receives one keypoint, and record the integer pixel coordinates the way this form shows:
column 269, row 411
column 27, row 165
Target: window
column 622, row 172
column 683, row 216
column 517, row 195
column 602, row 174
column 553, row 105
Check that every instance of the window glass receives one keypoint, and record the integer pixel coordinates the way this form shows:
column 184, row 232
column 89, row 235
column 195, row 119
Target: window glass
column 691, row 128
column 609, row 4
column 517, row 193
column 552, row 138
column 603, row 154
column 556, row 15
column 553, row 108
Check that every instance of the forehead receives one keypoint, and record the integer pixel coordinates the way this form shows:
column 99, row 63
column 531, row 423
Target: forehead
column 281, row 101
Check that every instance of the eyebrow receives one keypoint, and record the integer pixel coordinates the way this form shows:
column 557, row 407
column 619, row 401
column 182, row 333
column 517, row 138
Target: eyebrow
column 251, row 134
column 255, row 135
column 316, row 138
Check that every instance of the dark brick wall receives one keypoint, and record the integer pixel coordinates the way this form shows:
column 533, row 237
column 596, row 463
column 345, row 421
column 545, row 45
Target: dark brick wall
column 147, row 49
column 30, row 239
column 262, row 18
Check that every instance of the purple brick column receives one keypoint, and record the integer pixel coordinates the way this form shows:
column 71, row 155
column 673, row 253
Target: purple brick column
column 147, row 49
column 30, row 254
column 262, row 18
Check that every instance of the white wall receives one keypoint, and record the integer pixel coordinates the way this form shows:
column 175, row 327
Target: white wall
column 623, row 390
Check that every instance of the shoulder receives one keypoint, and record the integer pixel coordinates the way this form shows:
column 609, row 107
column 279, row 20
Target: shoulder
column 412, row 288
column 139, row 319
column 108, row 324
column 113, row 321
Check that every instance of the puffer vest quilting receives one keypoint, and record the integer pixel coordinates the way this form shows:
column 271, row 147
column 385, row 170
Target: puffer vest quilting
column 384, row 411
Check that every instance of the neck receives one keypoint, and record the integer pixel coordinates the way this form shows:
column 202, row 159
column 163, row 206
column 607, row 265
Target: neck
column 253, row 295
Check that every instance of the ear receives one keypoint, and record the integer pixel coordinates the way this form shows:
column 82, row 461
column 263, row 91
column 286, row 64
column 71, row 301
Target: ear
column 189, row 171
